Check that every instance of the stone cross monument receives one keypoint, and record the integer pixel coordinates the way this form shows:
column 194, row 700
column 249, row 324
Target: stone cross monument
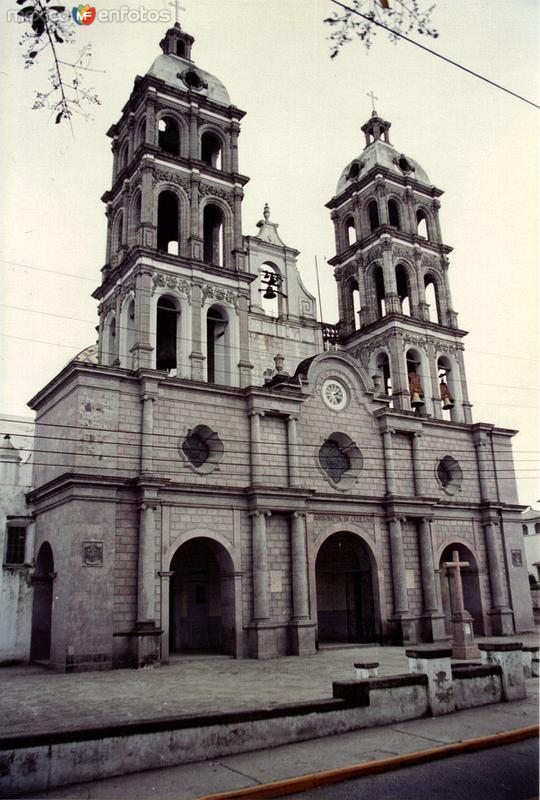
column 463, row 645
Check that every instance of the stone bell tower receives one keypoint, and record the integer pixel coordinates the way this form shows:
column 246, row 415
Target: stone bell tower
column 391, row 267
column 175, row 287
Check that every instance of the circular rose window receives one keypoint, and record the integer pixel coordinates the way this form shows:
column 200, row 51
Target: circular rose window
column 335, row 394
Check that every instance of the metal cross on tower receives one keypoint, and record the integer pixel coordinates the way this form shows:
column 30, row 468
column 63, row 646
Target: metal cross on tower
column 373, row 98
column 177, row 9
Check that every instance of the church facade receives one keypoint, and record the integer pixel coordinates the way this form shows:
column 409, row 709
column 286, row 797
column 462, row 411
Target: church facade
column 235, row 476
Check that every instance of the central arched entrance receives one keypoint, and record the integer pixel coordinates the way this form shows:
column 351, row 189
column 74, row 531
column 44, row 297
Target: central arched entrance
column 42, row 582
column 202, row 614
column 345, row 597
column 471, row 588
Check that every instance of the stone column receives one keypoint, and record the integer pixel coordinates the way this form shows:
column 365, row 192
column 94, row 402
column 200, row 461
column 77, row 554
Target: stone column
column 501, row 614
column 150, row 130
column 256, row 452
column 142, row 349
column 481, row 447
column 450, row 316
column 389, row 462
column 148, row 398
column 466, row 403
column 433, row 618
column 299, row 567
column 435, row 206
column 419, row 487
column 261, row 601
column 146, row 567
column 401, row 601
column 196, row 356
column 302, row 631
column 194, row 153
column 165, row 577
column 131, row 137
column 234, row 131
column 292, row 449
column 245, row 366
column 195, row 238
column 400, row 382
column 148, row 229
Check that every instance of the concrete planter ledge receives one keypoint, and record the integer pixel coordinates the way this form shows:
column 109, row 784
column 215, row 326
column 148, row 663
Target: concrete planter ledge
column 429, row 652
column 500, row 647
column 469, row 671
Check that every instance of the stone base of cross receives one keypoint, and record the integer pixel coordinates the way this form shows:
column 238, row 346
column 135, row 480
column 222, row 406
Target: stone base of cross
column 463, row 644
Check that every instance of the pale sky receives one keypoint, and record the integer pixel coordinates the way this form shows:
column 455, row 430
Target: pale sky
column 304, row 114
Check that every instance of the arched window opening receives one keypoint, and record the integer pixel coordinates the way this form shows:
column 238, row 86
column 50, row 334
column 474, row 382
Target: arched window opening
column 537, row 527
column 383, row 368
column 168, row 136
column 181, row 49
column 373, row 212
column 213, row 234
column 402, row 282
column 525, row 530
column 432, row 299
column 216, row 346
column 354, row 295
column 270, row 282
column 118, row 232
column 415, row 379
column 393, row 214
column 123, row 160
column 379, row 291
column 167, row 233
column 211, row 150
column 42, row 604
column 447, row 386
column 421, row 224
column 166, row 334
column 350, row 231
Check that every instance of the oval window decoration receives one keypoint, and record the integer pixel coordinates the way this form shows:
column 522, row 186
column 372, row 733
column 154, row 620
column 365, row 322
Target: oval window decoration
column 201, row 449
column 340, row 461
column 449, row 475
column 335, row 394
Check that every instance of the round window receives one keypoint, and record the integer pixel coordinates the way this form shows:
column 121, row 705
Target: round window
column 335, row 394
column 193, row 79
column 201, row 449
column 340, row 461
column 449, row 475
column 333, row 460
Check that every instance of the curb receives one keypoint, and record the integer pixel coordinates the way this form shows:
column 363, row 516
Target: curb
column 304, row 782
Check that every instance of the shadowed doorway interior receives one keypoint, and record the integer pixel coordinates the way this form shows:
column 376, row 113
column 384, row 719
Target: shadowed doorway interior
column 345, row 604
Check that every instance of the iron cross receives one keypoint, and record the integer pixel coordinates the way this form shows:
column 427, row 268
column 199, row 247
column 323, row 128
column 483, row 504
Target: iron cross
column 373, row 98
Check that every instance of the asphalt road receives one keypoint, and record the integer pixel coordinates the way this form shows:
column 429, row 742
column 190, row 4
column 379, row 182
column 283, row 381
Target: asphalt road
column 502, row 773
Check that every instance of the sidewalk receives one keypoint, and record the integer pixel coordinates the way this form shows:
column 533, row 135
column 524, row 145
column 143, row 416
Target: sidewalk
column 35, row 700
column 264, row 766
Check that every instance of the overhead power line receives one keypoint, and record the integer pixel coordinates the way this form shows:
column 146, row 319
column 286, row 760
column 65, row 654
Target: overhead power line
column 434, row 52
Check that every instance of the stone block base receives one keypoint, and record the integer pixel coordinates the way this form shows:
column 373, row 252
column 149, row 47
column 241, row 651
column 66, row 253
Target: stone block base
column 302, row 638
column 404, row 631
column 145, row 645
column 433, row 627
column 502, row 622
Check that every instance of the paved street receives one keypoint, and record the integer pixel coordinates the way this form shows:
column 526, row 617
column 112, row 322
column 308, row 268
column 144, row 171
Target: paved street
column 504, row 773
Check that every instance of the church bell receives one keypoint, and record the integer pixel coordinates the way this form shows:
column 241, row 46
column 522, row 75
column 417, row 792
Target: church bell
column 416, row 400
column 166, row 354
column 446, row 397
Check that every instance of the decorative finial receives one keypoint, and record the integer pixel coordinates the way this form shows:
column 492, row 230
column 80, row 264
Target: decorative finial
column 266, row 212
column 373, row 98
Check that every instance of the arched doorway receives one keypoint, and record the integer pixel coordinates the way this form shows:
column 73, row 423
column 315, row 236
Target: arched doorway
column 202, row 600
column 345, row 597
column 471, row 588
column 42, row 582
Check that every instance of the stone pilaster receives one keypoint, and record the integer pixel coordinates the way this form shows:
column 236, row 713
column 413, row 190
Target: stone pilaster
column 257, row 467
column 432, row 617
column 403, row 626
column 389, row 468
column 292, row 451
column 302, row 631
column 500, row 613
